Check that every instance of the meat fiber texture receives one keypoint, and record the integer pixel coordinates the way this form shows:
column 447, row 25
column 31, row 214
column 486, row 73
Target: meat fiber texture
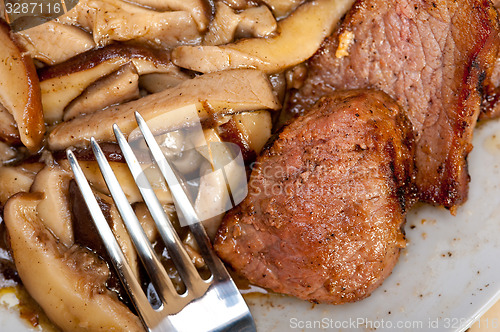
column 491, row 102
column 433, row 58
column 326, row 204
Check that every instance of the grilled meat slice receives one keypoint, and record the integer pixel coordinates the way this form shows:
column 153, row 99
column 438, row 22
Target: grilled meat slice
column 326, row 205
column 432, row 57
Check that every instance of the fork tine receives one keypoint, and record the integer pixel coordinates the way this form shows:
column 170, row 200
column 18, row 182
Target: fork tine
column 174, row 245
column 223, row 296
column 116, row 255
column 184, row 204
column 152, row 264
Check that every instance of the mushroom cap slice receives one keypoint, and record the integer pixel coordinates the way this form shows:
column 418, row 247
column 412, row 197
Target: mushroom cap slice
column 54, row 210
column 7, row 153
column 282, row 8
column 116, row 88
column 157, row 82
column 75, row 277
column 199, row 9
column 299, row 37
column 44, row 41
column 224, row 92
column 115, row 20
column 8, row 128
column 62, row 83
column 16, row 179
column 94, row 176
column 254, row 21
column 20, row 90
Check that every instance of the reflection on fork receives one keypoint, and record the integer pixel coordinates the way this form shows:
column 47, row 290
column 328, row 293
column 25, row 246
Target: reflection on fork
column 214, row 304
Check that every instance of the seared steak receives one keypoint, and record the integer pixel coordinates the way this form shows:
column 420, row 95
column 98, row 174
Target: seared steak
column 491, row 102
column 432, row 57
column 324, row 214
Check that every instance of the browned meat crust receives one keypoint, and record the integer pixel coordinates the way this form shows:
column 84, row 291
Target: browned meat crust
column 324, row 214
column 432, row 57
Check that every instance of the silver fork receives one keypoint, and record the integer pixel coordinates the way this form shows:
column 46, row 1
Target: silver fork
column 206, row 305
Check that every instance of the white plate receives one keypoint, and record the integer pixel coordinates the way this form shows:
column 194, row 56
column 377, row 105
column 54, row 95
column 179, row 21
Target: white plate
column 448, row 275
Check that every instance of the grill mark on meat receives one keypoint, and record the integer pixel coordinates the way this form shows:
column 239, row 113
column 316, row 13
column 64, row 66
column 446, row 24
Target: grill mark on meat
column 431, row 58
column 324, row 214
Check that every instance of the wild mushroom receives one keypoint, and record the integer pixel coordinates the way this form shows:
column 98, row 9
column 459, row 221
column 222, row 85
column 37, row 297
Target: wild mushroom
column 251, row 22
column 281, row 8
column 62, row 83
column 222, row 180
column 93, row 174
column 157, row 82
column 7, row 153
column 44, row 41
column 115, row 20
column 116, row 88
column 69, row 284
column 20, row 93
column 255, row 127
column 298, row 37
column 199, row 9
column 53, row 210
column 224, row 92
column 8, row 129
column 16, row 179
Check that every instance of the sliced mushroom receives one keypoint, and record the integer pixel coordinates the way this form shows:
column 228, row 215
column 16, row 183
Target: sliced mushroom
column 125, row 178
column 147, row 222
column 222, row 181
column 147, row 60
column 154, row 83
column 62, row 83
column 74, row 277
column 248, row 130
column 238, row 4
column 53, row 210
column 193, row 250
column 230, row 132
column 282, row 8
column 252, row 22
column 121, row 234
column 16, row 179
column 298, row 37
column 199, row 9
column 116, row 88
column 255, row 127
column 20, row 93
column 115, row 20
column 8, row 129
column 223, row 92
column 7, row 153
column 212, row 200
column 256, row 22
column 44, row 41
column 58, row 92
column 222, row 28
